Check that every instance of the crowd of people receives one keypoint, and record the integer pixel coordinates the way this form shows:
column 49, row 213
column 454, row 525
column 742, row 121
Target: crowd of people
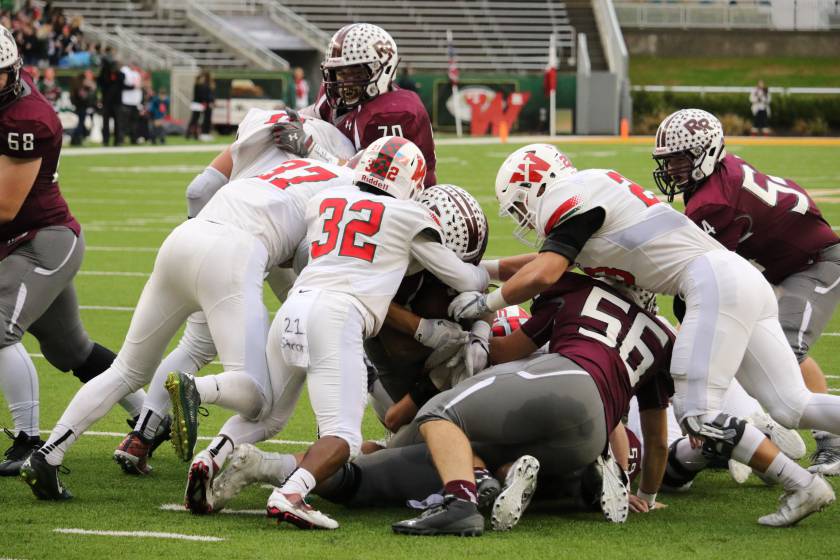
column 46, row 37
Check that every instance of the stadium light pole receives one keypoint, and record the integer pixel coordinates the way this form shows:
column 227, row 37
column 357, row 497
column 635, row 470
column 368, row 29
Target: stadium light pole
column 552, row 77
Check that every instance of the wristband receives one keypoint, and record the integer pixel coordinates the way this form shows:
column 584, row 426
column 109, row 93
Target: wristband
column 495, row 300
column 649, row 498
column 492, row 268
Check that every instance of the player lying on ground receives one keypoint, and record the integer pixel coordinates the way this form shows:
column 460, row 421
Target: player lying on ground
column 768, row 220
column 610, row 226
column 41, row 250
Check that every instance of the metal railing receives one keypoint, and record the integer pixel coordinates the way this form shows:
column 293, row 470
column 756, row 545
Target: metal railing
column 126, row 50
column 171, row 57
column 300, row 27
column 230, row 36
column 694, row 16
column 738, row 89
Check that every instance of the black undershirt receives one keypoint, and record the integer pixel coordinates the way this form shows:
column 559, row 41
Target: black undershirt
column 568, row 238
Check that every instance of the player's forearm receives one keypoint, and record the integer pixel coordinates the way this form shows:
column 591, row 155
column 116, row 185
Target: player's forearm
column 515, row 346
column 509, row 266
column 534, row 278
column 448, row 268
column 401, row 319
column 655, row 453
column 17, row 176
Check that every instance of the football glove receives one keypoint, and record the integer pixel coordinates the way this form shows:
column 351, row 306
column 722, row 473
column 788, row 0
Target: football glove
column 472, row 356
column 289, row 135
column 468, row 305
column 445, row 337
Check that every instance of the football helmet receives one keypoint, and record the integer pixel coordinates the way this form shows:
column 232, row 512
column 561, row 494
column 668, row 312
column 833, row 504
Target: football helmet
column 508, row 319
column 522, row 180
column 462, row 220
column 10, row 65
column 393, row 165
column 360, row 63
column 689, row 144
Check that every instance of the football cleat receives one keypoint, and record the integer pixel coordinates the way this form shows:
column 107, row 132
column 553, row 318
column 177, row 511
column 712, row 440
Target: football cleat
column 826, row 459
column 799, row 504
column 197, row 497
column 738, row 471
column 22, row 446
column 487, row 488
column 520, row 483
column 163, row 433
column 43, row 478
column 186, row 406
column 615, row 495
column 132, row 454
column 246, row 467
column 789, row 441
column 452, row 517
column 293, row 509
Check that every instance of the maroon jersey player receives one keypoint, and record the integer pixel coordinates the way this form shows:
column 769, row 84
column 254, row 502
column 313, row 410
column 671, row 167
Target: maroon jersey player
column 41, row 250
column 358, row 95
column 767, row 219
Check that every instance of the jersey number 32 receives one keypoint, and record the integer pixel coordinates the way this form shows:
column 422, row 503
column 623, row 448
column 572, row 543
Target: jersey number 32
column 342, row 225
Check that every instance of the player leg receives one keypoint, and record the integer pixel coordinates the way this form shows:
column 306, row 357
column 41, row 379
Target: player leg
column 194, row 351
column 806, row 303
column 166, row 302
column 31, row 278
column 337, row 382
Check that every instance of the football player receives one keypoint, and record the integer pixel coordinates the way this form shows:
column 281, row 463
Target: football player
column 359, row 96
column 768, row 220
column 41, row 250
column 611, row 226
column 214, row 263
column 252, row 153
column 361, row 240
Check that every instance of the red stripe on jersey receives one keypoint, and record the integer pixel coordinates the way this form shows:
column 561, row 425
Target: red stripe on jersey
column 569, row 206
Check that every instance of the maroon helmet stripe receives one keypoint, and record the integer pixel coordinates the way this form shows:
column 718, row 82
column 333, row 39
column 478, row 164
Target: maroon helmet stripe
column 338, row 41
column 661, row 135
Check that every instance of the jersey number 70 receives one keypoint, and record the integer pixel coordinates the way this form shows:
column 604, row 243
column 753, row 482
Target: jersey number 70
column 332, row 211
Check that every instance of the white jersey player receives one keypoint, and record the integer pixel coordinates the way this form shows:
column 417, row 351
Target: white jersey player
column 252, row 153
column 214, row 263
column 614, row 228
column 362, row 240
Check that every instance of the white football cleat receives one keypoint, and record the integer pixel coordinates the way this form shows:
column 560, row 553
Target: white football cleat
column 520, row 483
column 799, row 504
column 199, row 481
column 789, row 441
column 243, row 469
column 739, row 471
column 615, row 494
column 826, row 459
column 292, row 509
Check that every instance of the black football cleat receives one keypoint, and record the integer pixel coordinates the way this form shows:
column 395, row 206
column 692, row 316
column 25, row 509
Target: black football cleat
column 452, row 517
column 13, row 458
column 43, row 478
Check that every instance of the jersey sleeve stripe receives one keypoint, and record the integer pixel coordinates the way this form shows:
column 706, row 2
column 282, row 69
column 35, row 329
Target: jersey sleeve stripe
column 566, row 209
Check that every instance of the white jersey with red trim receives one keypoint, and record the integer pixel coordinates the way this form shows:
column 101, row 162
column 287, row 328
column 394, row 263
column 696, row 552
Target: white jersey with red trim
column 361, row 244
column 272, row 205
column 254, row 151
column 641, row 242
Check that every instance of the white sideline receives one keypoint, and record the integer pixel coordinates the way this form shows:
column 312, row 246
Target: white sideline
column 141, row 534
column 201, row 438
column 181, row 509
column 109, row 249
column 110, row 273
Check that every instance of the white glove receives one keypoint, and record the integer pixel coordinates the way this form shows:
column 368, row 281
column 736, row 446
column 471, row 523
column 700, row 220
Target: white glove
column 468, row 305
column 445, row 337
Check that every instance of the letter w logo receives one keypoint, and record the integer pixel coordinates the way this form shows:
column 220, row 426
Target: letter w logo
column 533, row 168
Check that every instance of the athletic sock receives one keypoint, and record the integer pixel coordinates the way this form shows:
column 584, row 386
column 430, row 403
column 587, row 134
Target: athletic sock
column 60, row 440
column 233, row 390
column 300, row 482
column 147, row 423
column 462, row 490
column 828, row 439
column 788, row 473
column 220, row 448
column 275, row 468
column 19, row 386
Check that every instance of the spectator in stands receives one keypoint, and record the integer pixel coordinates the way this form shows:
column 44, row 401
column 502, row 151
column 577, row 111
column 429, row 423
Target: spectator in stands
column 301, row 89
column 158, row 108
column 760, row 105
column 83, row 97
column 110, row 90
column 406, row 79
column 49, row 88
column 131, row 101
column 204, row 94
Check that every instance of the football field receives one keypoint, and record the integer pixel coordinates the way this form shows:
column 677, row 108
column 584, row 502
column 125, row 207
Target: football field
column 128, row 202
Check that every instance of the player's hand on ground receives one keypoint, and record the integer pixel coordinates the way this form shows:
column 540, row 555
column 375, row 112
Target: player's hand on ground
column 638, row 505
column 468, row 305
column 401, row 413
column 289, row 135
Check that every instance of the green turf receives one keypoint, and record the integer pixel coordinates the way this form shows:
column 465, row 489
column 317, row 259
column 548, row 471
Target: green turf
column 781, row 72
column 132, row 201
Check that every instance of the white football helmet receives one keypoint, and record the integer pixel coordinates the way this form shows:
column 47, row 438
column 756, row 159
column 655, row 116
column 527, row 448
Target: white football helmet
column 10, row 65
column 368, row 54
column 522, row 180
column 393, row 165
column 461, row 218
column 689, row 144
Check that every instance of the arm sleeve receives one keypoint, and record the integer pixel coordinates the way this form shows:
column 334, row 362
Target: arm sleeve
column 538, row 328
column 447, row 267
column 569, row 237
column 657, row 392
column 202, row 188
column 719, row 221
column 422, row 391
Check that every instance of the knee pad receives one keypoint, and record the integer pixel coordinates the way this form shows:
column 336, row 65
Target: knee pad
column 98, row 360
column 720, row 436
column 677, row 478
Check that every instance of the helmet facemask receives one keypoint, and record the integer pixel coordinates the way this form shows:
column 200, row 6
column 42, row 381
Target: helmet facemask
column 13, row 87
column 526, row 220
column 347, row 86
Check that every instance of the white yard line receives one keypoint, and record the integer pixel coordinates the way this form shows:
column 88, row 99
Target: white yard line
column 202, row 438
column 109, row 249
column 139, row 534
column 105, row 308
column 112, row 273
column 181, row 509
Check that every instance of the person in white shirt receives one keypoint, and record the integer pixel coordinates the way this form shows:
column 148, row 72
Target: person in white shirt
column 132, row 98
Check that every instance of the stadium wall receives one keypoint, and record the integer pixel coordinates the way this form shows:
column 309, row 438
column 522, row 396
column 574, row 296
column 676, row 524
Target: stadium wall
column 731, row 43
